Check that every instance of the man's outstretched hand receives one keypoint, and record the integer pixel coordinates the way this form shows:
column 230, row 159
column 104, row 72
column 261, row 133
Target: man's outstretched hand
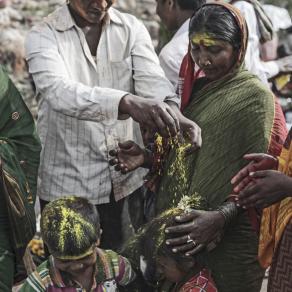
column 129, row 156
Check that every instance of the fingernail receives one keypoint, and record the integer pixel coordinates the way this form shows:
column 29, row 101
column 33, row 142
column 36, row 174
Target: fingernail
column 177, row 217
column 174, row 250
column 251, row 173
column 187, row 254
column 237, row 205
column 166, row 231
column 243, row 207
column 236, row 199
column 167, row 243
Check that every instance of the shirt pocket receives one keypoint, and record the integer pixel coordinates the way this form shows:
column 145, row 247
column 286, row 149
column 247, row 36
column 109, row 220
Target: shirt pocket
column 122, row 74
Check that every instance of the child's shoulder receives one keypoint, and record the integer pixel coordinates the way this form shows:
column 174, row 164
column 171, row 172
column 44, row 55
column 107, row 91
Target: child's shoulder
column 115, row 266
column 109, row 257
column 38, row 279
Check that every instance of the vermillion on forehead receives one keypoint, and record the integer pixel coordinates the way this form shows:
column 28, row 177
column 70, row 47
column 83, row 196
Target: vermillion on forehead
column 204, row 39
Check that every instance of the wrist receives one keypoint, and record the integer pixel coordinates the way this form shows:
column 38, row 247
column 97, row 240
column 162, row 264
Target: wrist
column 219, row 219
column 148, row 159
column 125, row 104
column 229, row 212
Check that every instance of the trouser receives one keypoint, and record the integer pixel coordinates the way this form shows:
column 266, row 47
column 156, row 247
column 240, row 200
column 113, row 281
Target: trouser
column 118, row 219
column 7, row 256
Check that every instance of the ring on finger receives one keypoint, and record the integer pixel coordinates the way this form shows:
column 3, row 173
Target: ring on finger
column 189, row 240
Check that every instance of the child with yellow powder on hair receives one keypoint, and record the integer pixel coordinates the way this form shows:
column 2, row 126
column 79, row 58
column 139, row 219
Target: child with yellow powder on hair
column 71, row 230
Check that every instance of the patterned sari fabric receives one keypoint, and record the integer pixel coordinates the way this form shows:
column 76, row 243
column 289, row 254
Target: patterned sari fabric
column 276, row 231
column 19, row 160
column 237, row 116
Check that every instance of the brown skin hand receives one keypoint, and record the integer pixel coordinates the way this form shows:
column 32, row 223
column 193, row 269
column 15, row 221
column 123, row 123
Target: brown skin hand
column 202, row 227
column 267, row 188
column 258, row 161
column 129, row 157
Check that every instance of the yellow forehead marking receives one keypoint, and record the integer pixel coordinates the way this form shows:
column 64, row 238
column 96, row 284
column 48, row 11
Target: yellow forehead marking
column 204, row 39
column 74, row 258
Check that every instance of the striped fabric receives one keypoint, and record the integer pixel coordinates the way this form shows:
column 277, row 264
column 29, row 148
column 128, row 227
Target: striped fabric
column 112, row 269
column 79, row 98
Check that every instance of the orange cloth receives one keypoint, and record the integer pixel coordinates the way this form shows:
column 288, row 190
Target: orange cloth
column 276, row 217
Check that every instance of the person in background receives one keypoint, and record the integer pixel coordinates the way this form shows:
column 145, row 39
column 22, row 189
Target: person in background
column 19, row 160
column 70, row 228
column 94, row 68
column 260, row 30
column 236, row 112
column 175, row 16
column 266, row 183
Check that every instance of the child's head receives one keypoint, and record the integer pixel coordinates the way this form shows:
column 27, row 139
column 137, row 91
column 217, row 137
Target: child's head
column 70, row 228
column 172, row 266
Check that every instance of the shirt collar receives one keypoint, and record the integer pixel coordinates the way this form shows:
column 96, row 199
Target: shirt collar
column 63, row 19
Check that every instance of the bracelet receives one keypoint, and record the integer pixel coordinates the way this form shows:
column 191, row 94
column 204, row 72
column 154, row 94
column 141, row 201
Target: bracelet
column 229, row 211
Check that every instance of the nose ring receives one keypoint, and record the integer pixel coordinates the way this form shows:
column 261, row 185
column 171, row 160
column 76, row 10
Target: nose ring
column 207, row 63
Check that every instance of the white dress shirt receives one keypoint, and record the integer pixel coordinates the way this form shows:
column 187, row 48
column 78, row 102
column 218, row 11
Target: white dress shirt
column 79, row 98
column 264, row 70
column 172, row 53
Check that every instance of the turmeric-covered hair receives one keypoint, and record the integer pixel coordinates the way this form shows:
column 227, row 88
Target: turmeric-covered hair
column 70, row 226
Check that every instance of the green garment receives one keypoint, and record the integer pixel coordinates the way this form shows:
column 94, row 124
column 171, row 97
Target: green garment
column 19, row 154
column 236, row 115
column 7, row 257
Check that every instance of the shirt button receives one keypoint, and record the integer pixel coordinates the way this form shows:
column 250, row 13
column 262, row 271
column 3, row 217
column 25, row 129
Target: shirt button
column 15, row 116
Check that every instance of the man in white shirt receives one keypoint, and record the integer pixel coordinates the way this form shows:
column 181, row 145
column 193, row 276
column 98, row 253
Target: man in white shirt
column 87, row 61
column 264, row 70
column 175, row 15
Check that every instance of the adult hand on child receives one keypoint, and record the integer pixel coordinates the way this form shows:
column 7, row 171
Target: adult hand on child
column 196, row 230
column 129, row 157
column 268, row 187
column 258, row 161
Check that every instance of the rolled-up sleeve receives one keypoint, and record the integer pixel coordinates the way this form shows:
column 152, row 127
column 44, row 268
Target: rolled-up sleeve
column 53, row 82
column 149, row 78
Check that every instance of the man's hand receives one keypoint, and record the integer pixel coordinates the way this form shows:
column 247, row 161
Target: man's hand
column 129, row 157
column 268, row 187
column 150, row 113
column 189, row 129
column 285, row 64
column 259, row 161
column 197, row 229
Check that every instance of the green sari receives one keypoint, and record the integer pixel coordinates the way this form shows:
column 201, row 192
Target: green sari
column 19, row 160
column 236, row 117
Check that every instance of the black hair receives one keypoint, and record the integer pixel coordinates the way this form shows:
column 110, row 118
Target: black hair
column 218, row 22
column 154, row 239
column 190, row 4
column 70, row 226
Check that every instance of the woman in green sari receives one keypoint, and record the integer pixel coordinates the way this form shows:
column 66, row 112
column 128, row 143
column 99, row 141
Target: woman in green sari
column 237, row 114
column 19, row 160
